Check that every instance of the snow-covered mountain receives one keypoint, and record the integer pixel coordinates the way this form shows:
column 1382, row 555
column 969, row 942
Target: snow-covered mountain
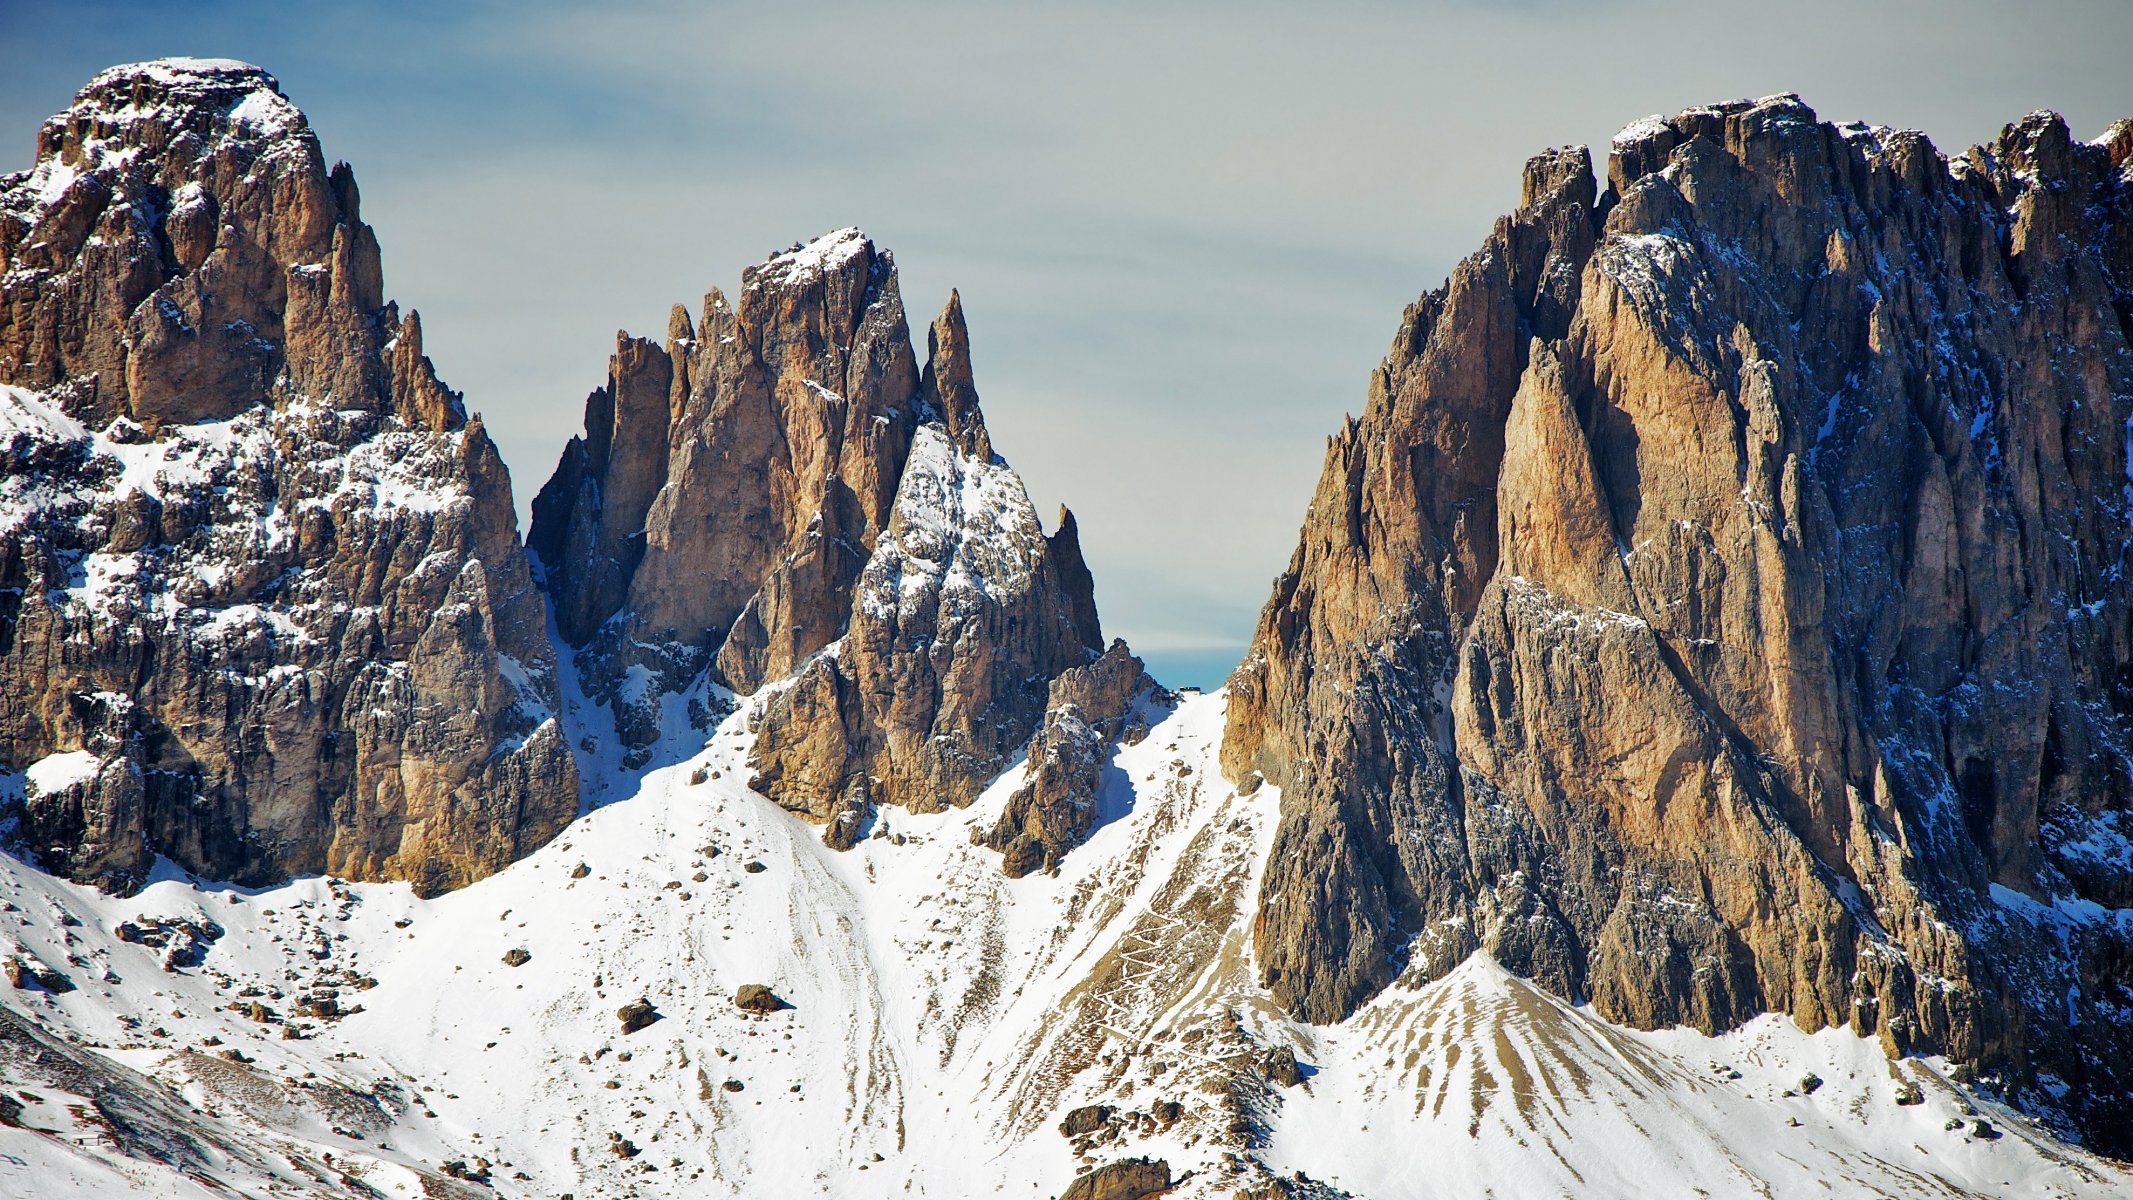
column 887, row 877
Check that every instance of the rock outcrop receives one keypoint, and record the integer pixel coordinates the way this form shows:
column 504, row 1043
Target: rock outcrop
column 1125, row 1179
column 782, row 494
column 263, row 607
column 1090, row 711
column 1720, row 606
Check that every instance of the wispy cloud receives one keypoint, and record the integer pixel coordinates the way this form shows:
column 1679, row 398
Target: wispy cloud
column 1184, row 232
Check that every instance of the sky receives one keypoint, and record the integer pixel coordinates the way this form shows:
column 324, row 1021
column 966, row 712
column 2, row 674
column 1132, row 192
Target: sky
column 1184, row 233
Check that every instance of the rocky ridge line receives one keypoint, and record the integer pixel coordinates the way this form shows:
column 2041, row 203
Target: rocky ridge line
column 263, row 607
column 782, row 493
column 1720, row 607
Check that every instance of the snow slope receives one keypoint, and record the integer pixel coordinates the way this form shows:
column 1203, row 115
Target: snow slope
column 943, row 1020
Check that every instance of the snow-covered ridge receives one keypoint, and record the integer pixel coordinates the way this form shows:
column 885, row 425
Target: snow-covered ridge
column 811, row 260
column 936, row 1009
column 244, row 95
column 155, row 103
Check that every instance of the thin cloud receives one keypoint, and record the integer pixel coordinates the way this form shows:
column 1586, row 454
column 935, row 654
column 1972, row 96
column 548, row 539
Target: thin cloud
column 1184, row 232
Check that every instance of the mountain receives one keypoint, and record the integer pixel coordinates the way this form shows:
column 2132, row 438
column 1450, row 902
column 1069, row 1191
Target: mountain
column 263, row 609
column 782, row 497
column 1720, row 607
column 1683, row 756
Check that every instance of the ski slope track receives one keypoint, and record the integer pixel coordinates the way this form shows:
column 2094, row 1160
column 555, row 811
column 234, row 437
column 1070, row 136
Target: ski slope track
column 943, row 1021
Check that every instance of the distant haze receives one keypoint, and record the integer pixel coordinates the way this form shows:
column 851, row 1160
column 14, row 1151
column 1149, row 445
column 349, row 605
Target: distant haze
column 1183, row 233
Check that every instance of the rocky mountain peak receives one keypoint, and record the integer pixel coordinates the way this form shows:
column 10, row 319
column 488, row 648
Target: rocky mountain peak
column 260, row 569
column 1716, row 608
column 950, row 390
column 180, row 252
column 783, row 490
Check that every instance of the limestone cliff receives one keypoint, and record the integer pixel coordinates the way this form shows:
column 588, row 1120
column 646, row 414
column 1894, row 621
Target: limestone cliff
column 1720, row 605
column 263, row 607
column 782, row 493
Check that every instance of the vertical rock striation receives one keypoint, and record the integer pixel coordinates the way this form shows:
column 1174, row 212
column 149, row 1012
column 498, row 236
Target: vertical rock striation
column 260, row 583
column 782, row 493
column 1720, row 605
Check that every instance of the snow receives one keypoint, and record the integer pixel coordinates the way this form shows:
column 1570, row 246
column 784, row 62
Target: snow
column 265, row 113
column 963, row 531
column 177, row 69
column 1640, row 130
column 24, row 413
column 1480, row 1083
column 945, row 1018
column 58, row 772
column 814, row 259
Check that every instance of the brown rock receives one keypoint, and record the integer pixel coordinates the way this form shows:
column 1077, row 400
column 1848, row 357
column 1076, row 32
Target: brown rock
column 788, row 419
column 1090, row 710
column 1714, row 603
column 636, row 1015
column 800, row 497
column 1086, row 1120
column 1125, row 1179
column 312, row 643
column 1282, row 1069
column 758, row 998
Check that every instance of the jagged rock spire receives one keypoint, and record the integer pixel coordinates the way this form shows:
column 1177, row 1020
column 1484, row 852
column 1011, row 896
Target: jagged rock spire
column 948, row 387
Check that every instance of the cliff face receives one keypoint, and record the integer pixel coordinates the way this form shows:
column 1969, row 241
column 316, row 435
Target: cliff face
column 782, row 491
column 1720, row 605
column 263, row 607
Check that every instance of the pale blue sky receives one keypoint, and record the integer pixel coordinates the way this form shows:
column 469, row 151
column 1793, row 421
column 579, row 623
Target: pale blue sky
column 1184, row 233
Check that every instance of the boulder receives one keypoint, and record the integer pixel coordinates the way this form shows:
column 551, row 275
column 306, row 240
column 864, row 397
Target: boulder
column 758, row 998
column 1124, row 1179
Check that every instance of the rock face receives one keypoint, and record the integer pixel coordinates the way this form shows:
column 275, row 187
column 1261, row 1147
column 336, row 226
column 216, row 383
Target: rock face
column 1720, row 606
column 783, row 491
column 1091, row 710
column 1126, row 1179
column 728, row 488
column 262, row 603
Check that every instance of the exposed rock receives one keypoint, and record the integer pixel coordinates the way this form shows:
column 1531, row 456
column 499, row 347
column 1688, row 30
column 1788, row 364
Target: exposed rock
column 517, row 956
column 26, row 972
column 636, row 1015
column 728, row 488
column 1718, row 606
column 1282, row 1069
column 961, row 618
column 258, row 564
column 1090, row 710
column 1125, row 1179
column 758, row 998
column 781, row 489
column 1086, row 1120
column 183, row 941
